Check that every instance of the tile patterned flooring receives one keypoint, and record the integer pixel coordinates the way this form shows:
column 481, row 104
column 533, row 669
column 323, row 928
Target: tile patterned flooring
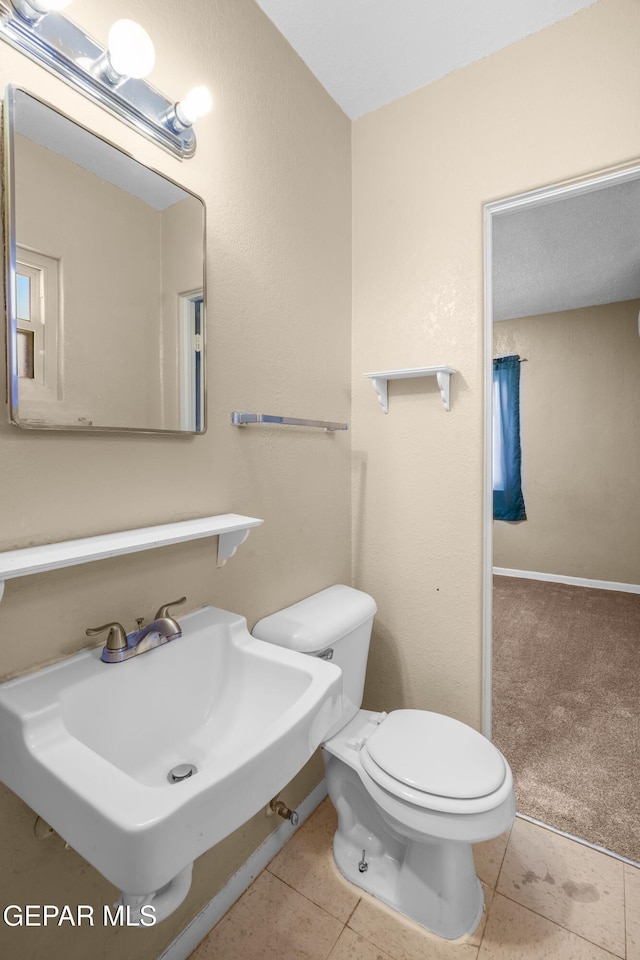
column 546, row 898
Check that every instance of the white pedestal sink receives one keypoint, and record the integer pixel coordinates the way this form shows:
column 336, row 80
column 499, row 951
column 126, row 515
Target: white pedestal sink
column 90, row 746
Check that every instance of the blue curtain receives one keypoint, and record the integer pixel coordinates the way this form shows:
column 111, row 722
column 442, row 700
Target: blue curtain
column 508, row 502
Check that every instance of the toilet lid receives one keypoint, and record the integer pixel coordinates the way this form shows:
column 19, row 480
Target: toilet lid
column 434, row 754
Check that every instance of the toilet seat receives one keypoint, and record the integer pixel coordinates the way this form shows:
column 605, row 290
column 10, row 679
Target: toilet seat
column 433, row 761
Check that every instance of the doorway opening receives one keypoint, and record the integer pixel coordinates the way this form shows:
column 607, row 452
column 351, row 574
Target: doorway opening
column 562, row 291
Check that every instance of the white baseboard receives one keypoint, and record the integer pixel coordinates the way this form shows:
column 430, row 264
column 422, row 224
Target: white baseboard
column 575, row 581
column 186, row 942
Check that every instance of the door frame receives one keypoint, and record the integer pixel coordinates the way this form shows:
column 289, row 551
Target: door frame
column 533, row 198
column 186, row 361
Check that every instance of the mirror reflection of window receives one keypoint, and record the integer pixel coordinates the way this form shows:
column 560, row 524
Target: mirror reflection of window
column 24, row 334
column 23, row 298
column 37, row 322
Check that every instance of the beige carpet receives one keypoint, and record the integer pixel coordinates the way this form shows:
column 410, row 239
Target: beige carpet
column 566, row 706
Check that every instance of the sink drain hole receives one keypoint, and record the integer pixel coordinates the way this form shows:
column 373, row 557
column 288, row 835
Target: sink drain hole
column 182, row 772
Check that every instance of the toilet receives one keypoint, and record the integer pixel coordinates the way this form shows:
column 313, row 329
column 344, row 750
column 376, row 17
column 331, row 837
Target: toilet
column 413, row 790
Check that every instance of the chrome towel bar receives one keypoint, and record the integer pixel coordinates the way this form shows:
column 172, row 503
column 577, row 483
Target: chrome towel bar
column 242, row 419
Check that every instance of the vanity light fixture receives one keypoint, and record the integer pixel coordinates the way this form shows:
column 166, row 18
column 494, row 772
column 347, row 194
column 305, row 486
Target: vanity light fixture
column 112, row 77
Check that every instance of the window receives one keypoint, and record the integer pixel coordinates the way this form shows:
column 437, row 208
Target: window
column 508, row 501
column 498, row 472
column 37, row 323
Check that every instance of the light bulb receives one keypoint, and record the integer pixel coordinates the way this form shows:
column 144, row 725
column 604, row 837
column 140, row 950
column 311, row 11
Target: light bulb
column 196, row 103
column 46, row 6
column 34, row 10
column 130, row 49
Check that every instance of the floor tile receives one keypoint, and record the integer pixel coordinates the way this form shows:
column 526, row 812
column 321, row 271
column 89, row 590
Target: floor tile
column 271, row 921
column 488, row 857
column 352, row 947
column 515, row 933
column 306, row 863
column 632, row 910
column 403, row 939
column 567, row 882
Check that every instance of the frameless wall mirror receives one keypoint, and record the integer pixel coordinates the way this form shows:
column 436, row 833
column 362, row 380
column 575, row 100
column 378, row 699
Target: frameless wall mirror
column 105, row 283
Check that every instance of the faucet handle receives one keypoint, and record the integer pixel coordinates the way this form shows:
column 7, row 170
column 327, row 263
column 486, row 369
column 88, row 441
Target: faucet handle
column 117, row 638
column 163, row 611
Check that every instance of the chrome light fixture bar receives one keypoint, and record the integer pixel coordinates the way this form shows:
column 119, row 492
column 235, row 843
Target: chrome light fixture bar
column 38, row 29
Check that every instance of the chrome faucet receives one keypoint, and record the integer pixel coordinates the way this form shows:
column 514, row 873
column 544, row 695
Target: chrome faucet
column 122, row 646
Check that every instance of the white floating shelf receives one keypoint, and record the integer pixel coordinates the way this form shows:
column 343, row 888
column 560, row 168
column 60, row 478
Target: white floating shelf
column 230, row 528
column 381, row 378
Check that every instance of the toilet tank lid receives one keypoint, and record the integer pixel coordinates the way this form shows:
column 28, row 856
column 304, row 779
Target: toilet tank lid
column 313, row 624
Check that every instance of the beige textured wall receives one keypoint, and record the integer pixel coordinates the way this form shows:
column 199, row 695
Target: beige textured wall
column 273, row 165
column 556, row 105
column 108, row 326
column 579, row 425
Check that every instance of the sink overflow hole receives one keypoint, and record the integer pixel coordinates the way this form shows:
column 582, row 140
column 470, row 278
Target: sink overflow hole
column 182, row 772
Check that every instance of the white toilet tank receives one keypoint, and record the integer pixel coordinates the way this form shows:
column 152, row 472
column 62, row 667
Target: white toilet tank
column 335, row 623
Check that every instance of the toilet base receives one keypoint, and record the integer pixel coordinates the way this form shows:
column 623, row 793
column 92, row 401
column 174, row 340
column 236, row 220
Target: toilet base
column 430, row 880
column 427, row 898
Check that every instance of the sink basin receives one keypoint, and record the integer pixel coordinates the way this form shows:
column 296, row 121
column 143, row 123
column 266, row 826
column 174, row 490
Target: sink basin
column 90, row 746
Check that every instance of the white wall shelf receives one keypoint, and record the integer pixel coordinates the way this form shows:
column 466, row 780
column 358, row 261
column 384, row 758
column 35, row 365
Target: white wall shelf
column 230, row 528
column 381, row 378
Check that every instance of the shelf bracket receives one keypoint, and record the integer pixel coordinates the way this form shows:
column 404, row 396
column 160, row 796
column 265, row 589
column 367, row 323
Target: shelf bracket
column 228, row 543
column 444, row 382
column 381, row 387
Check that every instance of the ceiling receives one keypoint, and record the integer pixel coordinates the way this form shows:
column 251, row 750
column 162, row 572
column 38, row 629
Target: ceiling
column 577, row 251
column 366, row 53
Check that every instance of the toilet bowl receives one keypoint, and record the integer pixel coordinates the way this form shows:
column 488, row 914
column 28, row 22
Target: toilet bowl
column 413, row 789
